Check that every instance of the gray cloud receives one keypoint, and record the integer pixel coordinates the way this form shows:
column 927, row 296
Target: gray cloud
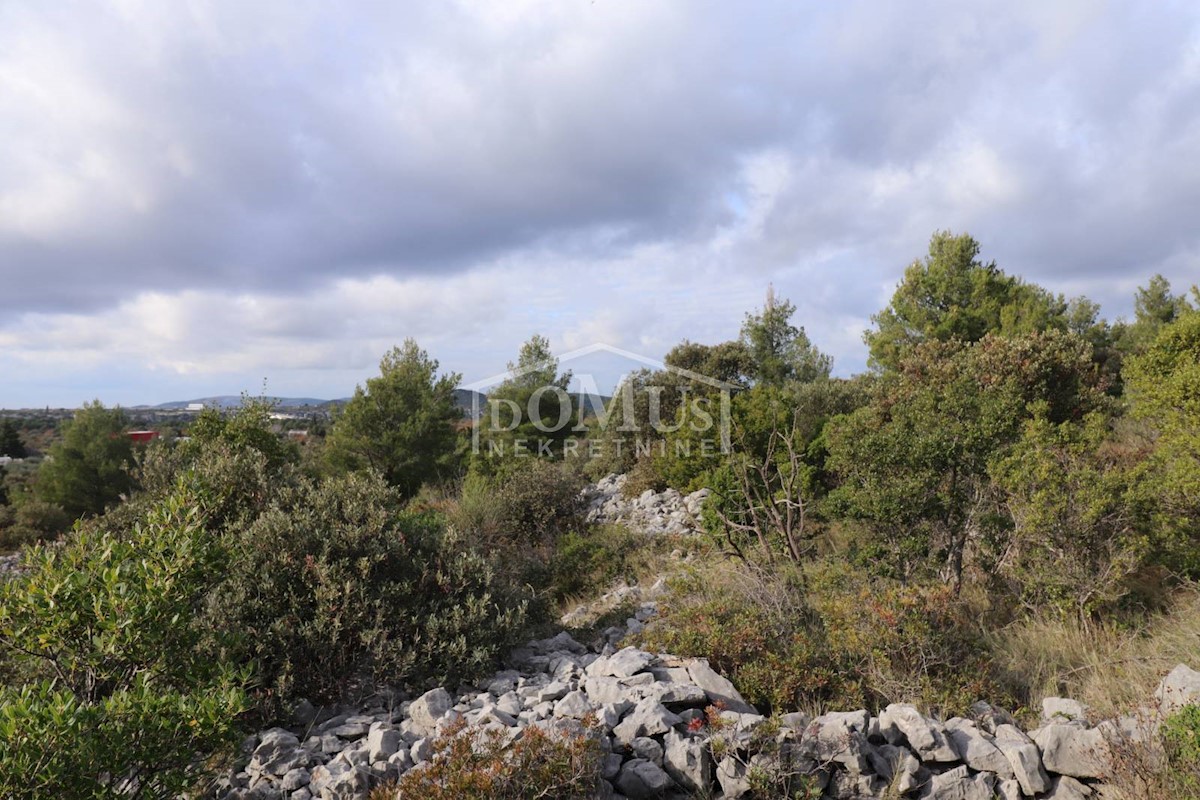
column 213, row 153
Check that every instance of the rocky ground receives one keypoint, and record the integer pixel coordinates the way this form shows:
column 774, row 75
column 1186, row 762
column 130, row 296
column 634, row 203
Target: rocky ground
column 9, row 564
column 659, row 742
column 652, row 512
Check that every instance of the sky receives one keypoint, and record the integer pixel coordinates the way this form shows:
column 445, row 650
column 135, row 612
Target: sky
column 198, row 197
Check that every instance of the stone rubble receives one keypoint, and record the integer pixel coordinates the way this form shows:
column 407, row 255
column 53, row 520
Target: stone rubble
column 652, row 712
column 650, row 709
column 657, row 513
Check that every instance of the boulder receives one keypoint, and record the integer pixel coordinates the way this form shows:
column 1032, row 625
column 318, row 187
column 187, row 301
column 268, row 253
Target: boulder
column 1067, row 788
column 294, row 779
column 1024, row 758
column 648, row 718
column 687, row 761
column 277, row 753
column 901, row 723
column 959, row 784
column 902, row 770
column 1009, row 790
column 976, row 749
column 1062, row 709
column 382, row 743
column 1180, row 688
column 627, row 662
column 648, row 749
column 831, row 739
column 718, row 688
column 430, row 707
column 734, row 777
column 574, row 704
column 639, row 779
column 1074, row 750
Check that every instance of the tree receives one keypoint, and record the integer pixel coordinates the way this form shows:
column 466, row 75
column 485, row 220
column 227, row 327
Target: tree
column 1155, row 307
column 402, row 424
column 532, row 407
column 10, row 440
column 779, row 351
column 913, row 463
column 728, row 362
column 1074, row 540
column 1164, row 389
column 246, row 429
column 89, row 469
column 952, row 295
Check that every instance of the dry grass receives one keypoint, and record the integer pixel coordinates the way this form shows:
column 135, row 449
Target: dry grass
column 1109, row 668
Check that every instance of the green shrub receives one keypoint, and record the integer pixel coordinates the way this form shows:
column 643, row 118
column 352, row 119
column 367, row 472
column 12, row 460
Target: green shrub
column 336, row 583
column 595, row 559
column 906, row 642
column 526, row 501
column 757, row 630
column 1181, row 734
column 471, row 764
column 539, row 498
column 116, row 698
column 138, row 742
column 827, row 637
column 30, row 522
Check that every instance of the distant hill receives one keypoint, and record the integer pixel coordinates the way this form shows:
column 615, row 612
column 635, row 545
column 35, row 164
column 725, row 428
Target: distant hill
column 463, row 398
column 235, row 401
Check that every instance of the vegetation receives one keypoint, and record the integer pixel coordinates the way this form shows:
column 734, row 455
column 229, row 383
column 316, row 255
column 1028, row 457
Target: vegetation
column 401, row 424
column 11, row 444
column 89, row 469
column 113, row 698
column 1007, row 506
column 359, row 560
column 473, row 764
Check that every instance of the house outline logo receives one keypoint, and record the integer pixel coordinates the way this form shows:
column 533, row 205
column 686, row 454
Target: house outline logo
column 725, row 389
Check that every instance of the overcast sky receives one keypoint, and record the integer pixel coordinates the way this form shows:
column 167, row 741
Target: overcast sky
column 197, row 196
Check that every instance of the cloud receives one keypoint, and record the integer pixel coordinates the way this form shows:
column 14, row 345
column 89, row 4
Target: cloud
column 216, row 191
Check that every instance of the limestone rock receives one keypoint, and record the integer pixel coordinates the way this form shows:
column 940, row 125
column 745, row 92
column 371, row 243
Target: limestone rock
column 1024, row 758
column 430, row 707
column 718, row 688
column 901, row 723
column 641, row 779
column 976, row 749
column 1074, row 750
column 687, row 761
column 1180, row 688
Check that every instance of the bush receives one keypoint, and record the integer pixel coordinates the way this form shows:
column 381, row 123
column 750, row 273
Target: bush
column 139, row 742
column 907, row 642
column 335, row 583
column 584, row 563
column 471, row 764
column 117, row 700
column 528, row 501
column 758, row 631
column 827, row 637
column 32, row 521
column 1181, row 734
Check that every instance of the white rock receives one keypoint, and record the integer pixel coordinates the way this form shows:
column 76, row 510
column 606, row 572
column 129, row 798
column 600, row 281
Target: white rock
column 1074, row 750
column 687, row 761
column 900, row 723
column 976, row 749
column 1024, row 758
column 718, row 688
column 641, row 779
column 430, row 707
column 1180, row 688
